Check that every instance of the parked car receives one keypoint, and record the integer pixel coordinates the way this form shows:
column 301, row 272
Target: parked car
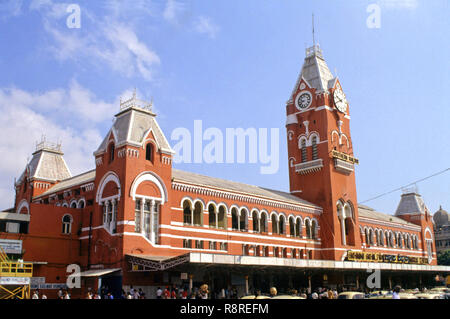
column 287, row 297
column 254, row 297
column 351, row 295
column 430, row 296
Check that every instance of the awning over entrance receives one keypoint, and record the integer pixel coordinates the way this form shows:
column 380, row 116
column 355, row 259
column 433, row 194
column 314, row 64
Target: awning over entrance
column 220, row 259
column 98, row 272
column 156, row 263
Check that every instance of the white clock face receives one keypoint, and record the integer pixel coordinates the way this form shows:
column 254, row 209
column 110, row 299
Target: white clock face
column 303, row 100
column 340, row 101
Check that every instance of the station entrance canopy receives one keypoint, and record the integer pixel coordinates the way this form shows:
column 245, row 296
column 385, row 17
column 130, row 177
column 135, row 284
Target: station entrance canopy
column 158, row 263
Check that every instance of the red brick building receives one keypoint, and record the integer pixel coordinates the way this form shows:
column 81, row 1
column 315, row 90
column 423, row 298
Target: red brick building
column 135, row 220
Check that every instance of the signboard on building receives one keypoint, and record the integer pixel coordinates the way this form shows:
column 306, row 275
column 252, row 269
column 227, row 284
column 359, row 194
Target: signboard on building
column 385, row 258
column 11, row 246
column 14, row 281
column 49, row 286
column 344, row 157
column 37, row 280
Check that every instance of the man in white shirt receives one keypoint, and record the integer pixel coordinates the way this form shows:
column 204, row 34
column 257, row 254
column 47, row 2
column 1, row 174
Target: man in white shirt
column 159, row 293
column 35, row 295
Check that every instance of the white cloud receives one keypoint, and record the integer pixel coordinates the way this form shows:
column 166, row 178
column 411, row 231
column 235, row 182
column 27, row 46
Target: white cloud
column 10, row 8
column 26, row 116
column 172, row 10
column 206, row 26
column 105, row 40
column 399, row 4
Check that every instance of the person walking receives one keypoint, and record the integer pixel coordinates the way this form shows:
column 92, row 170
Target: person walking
column 396, row 294
column 35, row 295
column 273, row 291
column 159, row 293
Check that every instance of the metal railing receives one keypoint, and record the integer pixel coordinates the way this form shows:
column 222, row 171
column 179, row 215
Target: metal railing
column 16, row 269
column 308, row 167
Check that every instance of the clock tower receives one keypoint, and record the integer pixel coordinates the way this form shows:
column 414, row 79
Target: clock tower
column 321, row 155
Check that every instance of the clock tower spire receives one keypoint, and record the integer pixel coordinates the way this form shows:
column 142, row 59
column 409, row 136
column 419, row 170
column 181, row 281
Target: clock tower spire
column 320, row 150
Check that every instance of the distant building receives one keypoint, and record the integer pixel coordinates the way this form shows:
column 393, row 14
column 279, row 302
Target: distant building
column 441, row 230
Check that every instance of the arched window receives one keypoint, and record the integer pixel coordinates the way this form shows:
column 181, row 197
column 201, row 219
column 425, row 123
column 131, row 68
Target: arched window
column 298, row 228
column 276, row 252
column 255, row 222
column 187, row 212
column 308, row 228
column 282, row 225
column 111, row 152
column 263, row 223
column 67, row 224
column 212, row 216
column 274, row 224
column 313, row 229
column 304, row 153
column 391, row 240
column 137, row 216
column 314, row 148
column 221, row 218
column 292, row 230
column 234, row 219
column 73, row 205
column 243, row 220
column 149, row 152
column 198, row 214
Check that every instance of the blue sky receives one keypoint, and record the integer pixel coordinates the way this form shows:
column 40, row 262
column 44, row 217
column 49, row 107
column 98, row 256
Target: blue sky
column 230, row 64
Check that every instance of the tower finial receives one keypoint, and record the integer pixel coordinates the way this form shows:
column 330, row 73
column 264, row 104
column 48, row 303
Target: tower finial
column 314, row 41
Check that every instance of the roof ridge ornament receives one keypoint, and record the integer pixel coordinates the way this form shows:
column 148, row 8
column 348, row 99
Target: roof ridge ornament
column 315, row 49
column 134, row 102
column 47, row 145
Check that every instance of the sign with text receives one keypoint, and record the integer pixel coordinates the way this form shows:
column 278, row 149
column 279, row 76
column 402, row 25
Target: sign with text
column 14, row 281
column 11, row 246
column 344, row 157
column 385, row 258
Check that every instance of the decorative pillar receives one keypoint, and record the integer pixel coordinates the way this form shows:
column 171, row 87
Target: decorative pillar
column 151, row 226
column 106, row 222
column 142, row 216
column 216, row 213
column 343, row 230
column 113, row 217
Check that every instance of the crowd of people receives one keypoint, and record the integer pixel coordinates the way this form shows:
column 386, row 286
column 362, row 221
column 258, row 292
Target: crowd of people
column 202, row 292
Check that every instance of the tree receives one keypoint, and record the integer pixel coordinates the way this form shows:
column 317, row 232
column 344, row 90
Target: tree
column 443, row 258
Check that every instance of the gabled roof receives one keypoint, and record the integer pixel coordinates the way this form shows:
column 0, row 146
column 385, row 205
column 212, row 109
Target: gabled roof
column 202, row 180
column 132, row 126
